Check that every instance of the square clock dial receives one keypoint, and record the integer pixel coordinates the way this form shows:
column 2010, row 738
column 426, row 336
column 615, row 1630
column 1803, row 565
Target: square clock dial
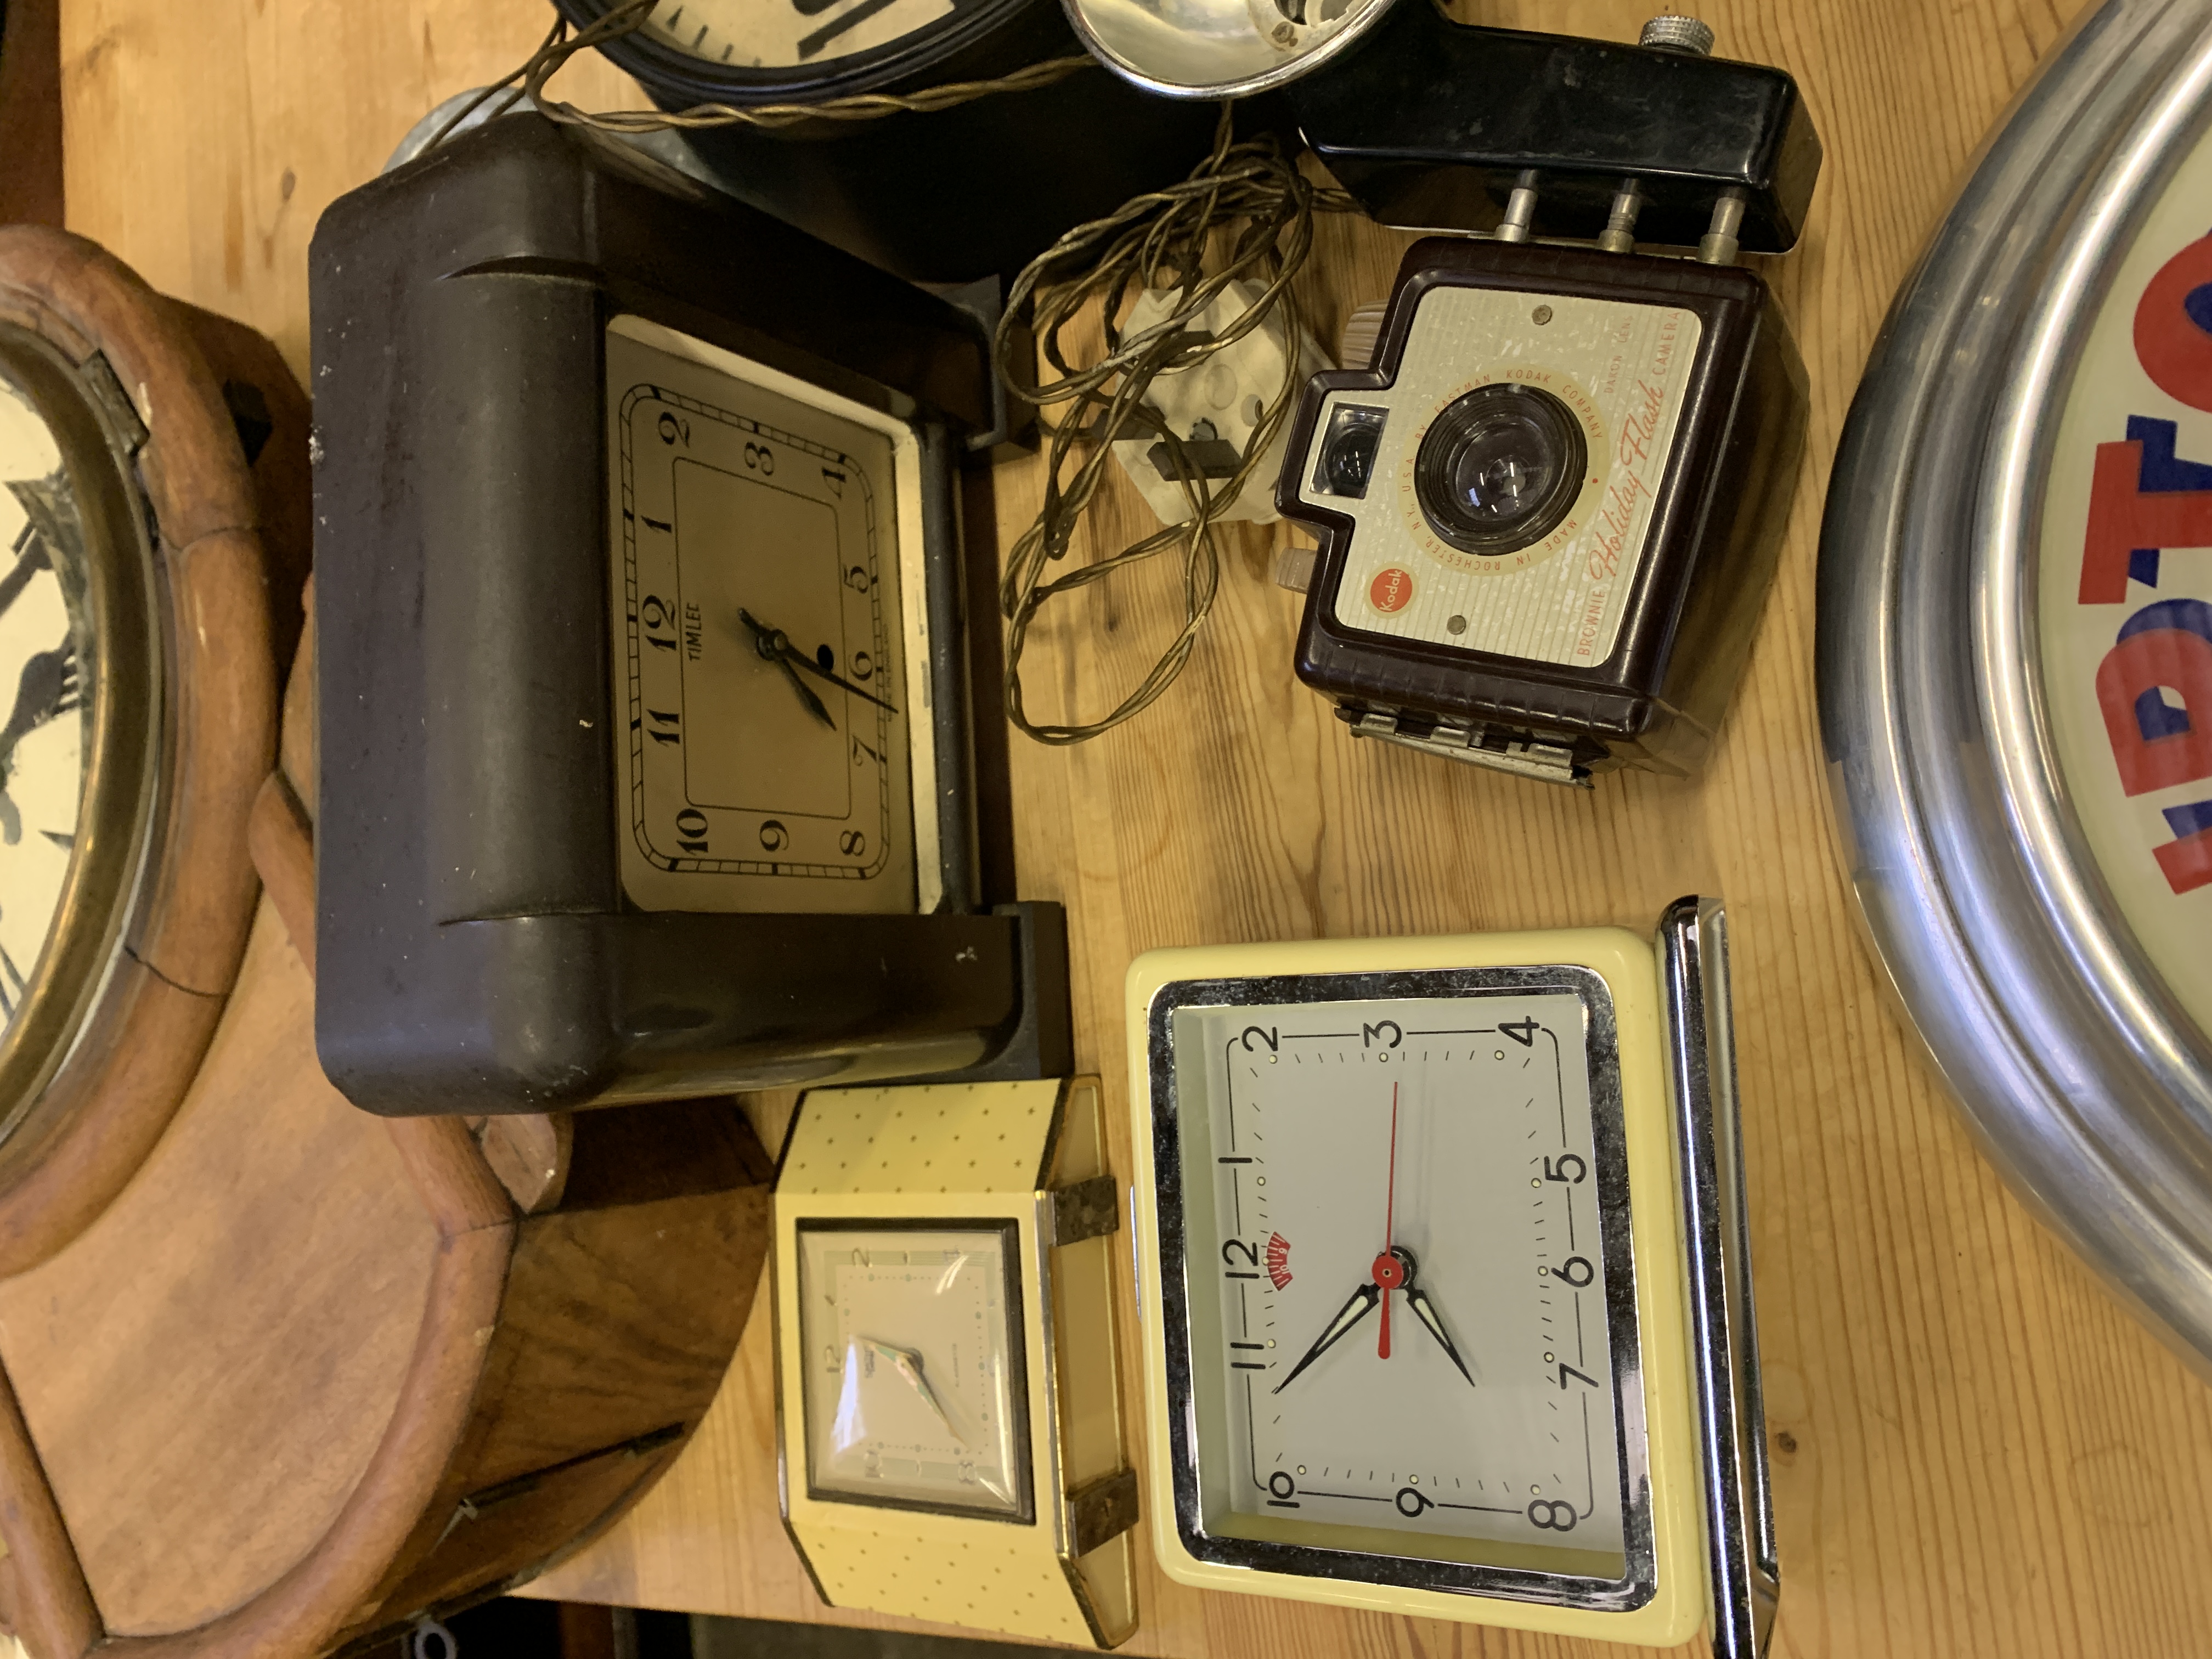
column 912, row 1336
column 760, row 658
column 1408, row 1321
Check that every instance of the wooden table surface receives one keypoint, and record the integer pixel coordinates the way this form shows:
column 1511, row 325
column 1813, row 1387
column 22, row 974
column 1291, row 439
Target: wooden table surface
column 1975, row 1452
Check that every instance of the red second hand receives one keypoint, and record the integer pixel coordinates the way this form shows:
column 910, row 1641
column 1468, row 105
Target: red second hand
column 1388, row 1272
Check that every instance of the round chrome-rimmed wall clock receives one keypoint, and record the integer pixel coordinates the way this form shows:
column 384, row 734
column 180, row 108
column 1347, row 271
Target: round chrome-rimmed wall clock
column 136, row 712
column 947, row 196
column 2015, row 651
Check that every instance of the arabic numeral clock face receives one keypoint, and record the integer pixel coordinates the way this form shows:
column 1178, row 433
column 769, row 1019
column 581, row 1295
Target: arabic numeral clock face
column 760, row 660
column 792, row 33
column 1409, row 1332
column 913, row 1367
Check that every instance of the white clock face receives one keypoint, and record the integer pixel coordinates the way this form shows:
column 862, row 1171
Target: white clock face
column 764, row 709
column 788, row 33
column 1408, row 1328
column 42, row 688
column 912, row 1337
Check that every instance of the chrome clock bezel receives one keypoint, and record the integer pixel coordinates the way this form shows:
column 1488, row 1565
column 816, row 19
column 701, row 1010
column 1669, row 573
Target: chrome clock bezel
column 1639, row 1579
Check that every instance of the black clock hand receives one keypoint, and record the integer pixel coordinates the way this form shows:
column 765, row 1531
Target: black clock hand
column 1361, row 1304
column 774, row 641
column 806, row 694
column 1417, row 1299
column 31, row 558
column 764, row 641
column 800, row 658
column 48, row 685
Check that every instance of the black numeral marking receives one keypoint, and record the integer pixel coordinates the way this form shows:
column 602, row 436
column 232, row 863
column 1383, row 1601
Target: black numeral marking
column 691, row 823
column 1567, row 1370
column 1521, row 1032
column 1558, row 1169
column 1272, row 1038
column 1396, row 1034
column 774, row 836
column 1574, row 1265
column 654, row 615
column 666, row 727
column 1552, row 1515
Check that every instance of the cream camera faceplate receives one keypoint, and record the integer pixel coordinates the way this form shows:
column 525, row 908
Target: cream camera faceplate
column 1619, row 370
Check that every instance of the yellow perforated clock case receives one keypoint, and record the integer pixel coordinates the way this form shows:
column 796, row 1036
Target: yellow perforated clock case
column 1627, row 964
column 974, row 1152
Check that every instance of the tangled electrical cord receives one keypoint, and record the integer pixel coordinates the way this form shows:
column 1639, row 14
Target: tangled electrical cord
column 1158, row 240
column 529, row 81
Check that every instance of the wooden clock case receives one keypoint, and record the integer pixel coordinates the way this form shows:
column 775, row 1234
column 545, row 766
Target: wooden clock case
column 277, row 1376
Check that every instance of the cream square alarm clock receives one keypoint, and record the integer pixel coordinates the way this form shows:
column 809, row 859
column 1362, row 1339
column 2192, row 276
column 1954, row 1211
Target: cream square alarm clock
column 947, row 1388
column 1445, row 1272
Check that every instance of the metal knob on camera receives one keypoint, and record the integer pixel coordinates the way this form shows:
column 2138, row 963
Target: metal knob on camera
column 1690, row 37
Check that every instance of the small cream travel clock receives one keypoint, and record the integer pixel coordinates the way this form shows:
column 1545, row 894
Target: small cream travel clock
column 947, row 1394
column 1447, row 1309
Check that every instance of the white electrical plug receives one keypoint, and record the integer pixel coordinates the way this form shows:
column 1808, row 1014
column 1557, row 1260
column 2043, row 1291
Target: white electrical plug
column 1214, row 406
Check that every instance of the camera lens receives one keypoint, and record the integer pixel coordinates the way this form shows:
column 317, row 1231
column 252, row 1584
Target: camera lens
column 1499, row 467
column 1350, row 458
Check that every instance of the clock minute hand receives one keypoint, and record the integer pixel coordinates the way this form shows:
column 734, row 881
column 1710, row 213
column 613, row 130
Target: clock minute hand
column 800, row 659
column 1361, row 1303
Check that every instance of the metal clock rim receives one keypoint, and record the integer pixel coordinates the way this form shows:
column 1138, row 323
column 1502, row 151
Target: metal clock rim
column 1639, row 1580
column 1244, row 86
column 655, row 62
column 2084, row 1080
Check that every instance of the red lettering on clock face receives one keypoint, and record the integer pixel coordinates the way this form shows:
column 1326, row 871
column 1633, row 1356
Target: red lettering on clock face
column 2173, row 326
column 1391, row 591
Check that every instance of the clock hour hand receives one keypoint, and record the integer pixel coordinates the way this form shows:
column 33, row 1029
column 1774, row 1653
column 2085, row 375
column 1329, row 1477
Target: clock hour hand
column 806, row 695
column 1361, row 1304
column 1418, row 1300
column 774, row 642
column 907, row 1365
column 772, row 645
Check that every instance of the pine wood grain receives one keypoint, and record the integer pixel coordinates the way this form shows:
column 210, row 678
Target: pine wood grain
column 1976, row 1453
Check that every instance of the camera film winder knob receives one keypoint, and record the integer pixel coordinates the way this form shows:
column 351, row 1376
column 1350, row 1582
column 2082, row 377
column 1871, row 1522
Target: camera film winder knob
column 1670, row 34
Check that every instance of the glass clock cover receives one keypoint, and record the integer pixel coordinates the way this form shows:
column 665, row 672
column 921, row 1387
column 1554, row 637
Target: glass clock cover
column 911, row 1338
column 1411, row 1319
column 44, row 644
column 792, row 34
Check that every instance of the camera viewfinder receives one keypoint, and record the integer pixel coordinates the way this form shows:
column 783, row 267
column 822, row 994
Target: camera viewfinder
column 1347, row 450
